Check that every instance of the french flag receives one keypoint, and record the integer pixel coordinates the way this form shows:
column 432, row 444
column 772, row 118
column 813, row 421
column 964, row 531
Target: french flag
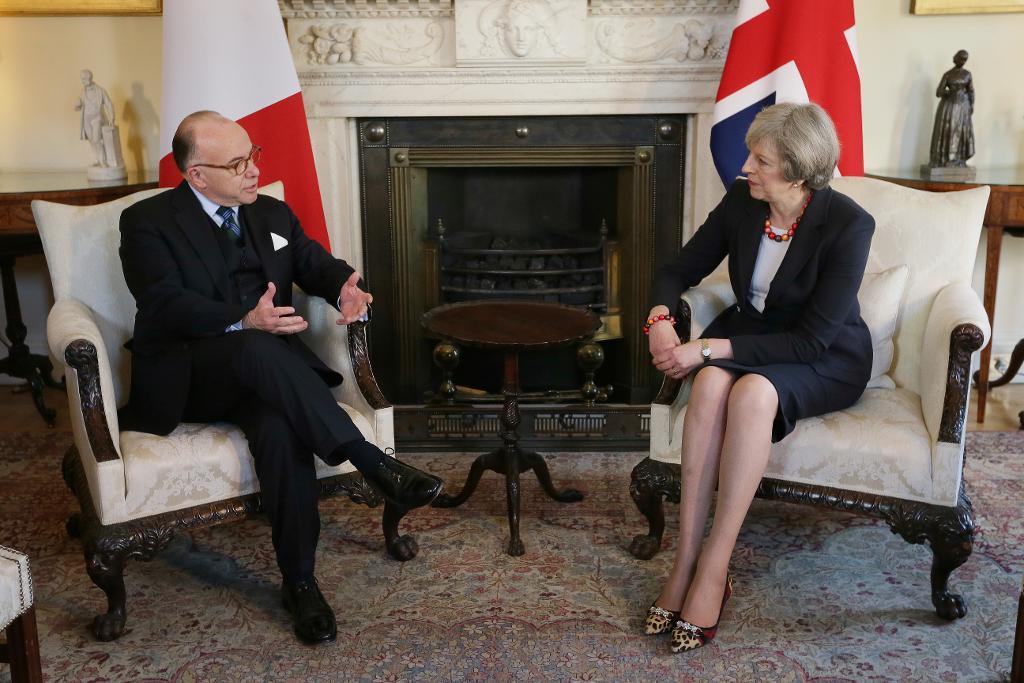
column 232, row 56
column 789, row 51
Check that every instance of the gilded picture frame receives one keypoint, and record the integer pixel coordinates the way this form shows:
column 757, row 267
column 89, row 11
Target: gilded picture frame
column 965, row 6
column 78, row 7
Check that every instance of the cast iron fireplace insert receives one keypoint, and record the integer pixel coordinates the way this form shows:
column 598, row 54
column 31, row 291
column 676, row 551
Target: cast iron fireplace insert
column 577, row 210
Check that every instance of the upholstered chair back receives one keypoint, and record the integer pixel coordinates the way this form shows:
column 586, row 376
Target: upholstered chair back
column 936, row 236
column 81, row 246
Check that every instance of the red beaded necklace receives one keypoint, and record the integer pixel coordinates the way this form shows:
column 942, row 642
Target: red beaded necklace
column 770, row 233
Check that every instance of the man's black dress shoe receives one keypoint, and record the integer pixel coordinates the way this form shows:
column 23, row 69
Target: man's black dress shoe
column 314, row 618
column 404, row 484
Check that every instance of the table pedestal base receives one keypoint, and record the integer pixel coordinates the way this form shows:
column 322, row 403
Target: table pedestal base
column 510, row 461
column 34, row 368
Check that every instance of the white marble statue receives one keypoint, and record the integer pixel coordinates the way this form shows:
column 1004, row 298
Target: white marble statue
column 99, row 128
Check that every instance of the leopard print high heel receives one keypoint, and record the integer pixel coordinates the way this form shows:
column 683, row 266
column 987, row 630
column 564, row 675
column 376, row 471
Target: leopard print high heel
column 659, row 620
column 686, row 636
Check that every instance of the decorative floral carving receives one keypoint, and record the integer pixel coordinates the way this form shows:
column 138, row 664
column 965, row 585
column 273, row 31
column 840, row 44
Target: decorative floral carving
column 652, row 7
column 360, row 354
column 963, row 342
column 643, row 41
column 393, row 44
column 319, row 9
column 328, row 44
column 81, row 355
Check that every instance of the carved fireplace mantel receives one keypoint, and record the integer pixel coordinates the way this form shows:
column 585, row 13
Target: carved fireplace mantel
column 367, row 58
column 362, row 60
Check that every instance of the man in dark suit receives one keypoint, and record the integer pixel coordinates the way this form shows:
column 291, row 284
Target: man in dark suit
column 211, row 266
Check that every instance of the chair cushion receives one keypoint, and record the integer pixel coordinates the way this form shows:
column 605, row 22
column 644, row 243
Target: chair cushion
column 198, row 464
column 15, row 585
column 880, row 296
column 879, row 445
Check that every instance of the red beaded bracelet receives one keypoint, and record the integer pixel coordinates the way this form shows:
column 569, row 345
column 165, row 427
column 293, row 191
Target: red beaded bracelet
column 656, row 319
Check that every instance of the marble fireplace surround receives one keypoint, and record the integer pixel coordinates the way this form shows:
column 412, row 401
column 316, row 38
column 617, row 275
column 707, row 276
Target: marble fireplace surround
column 380, row 58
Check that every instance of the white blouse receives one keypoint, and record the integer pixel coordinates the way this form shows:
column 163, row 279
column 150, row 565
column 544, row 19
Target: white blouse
column 769, row 258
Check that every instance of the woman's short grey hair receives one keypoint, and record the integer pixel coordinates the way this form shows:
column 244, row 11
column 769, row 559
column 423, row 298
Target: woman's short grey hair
column 803, row 136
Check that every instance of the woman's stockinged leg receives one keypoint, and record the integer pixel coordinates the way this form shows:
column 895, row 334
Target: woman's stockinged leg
column 752, row 406
column 703, row 430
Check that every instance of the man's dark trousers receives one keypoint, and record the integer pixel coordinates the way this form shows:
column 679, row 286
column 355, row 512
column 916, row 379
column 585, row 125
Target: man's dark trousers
column 287, row 412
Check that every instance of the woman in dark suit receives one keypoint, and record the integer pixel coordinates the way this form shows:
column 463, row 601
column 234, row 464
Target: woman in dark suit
column 793, row 346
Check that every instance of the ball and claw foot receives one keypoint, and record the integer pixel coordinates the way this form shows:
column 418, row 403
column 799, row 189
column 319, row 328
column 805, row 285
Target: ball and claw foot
column 516, row 548
column 403, row 548
column 644, row 547
column 109, row 626
column 949, row 606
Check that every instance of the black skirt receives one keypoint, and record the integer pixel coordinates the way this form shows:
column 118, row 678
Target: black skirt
column 802, row 391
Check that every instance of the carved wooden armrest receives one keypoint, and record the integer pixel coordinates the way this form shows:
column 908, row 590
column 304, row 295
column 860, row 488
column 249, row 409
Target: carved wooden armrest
column 359, row 353
column 964, row 340
column 80, row 355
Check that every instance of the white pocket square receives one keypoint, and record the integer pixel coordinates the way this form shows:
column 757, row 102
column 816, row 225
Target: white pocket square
column 279, row 242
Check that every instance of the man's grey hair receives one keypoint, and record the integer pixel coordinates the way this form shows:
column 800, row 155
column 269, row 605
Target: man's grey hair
column 803, row 136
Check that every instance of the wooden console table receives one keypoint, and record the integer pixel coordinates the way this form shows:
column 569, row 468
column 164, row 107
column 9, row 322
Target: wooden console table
column 510, row 327
column 18, row 237
column 1005, row 213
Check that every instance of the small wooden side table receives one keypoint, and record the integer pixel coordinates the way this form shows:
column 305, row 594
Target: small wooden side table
column 1005, row 213
column 18, row 237
column 510, row 327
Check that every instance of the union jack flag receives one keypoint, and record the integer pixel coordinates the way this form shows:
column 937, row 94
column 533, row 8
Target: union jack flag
column 789, row 51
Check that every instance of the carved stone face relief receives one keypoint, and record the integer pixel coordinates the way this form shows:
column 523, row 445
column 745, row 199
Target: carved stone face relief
column 509, row 31
column 521, row 22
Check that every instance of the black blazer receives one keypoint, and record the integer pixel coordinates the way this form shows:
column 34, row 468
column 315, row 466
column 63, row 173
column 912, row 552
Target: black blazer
column 178, row 276
column 811, row 314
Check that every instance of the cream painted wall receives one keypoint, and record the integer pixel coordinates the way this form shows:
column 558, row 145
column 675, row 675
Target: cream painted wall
column 40, row 60
column 901, row 56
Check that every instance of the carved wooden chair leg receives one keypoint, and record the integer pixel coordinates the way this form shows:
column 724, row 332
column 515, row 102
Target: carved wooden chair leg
column 105, row 563
column 952, row 540
column 106, row 552
column 402, row 548
column 650, row 482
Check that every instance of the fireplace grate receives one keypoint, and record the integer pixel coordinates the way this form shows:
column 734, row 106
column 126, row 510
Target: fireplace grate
column 559, row 269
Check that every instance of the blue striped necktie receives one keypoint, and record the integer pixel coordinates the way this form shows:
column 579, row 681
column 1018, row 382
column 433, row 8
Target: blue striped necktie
column 230, row 224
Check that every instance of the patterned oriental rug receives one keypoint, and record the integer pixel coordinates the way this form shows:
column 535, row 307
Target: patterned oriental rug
column 819, row 595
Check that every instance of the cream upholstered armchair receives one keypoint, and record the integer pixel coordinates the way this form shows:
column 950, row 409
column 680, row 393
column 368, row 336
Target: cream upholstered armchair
column 18, row 618
column 135, row 490
column 898, row 453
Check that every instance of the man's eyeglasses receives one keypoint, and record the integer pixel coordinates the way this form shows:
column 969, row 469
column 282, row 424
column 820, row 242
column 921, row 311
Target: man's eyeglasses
column 242, row 165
